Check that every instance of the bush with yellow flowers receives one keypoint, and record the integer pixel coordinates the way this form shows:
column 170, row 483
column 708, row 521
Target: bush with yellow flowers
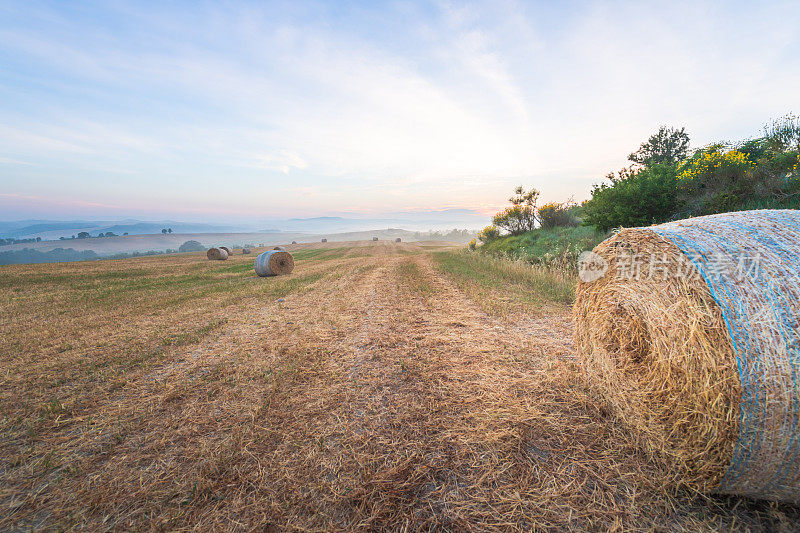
column 716, row 179
column 714, row 164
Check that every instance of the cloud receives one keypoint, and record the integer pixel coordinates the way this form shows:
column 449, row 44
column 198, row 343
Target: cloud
column 8, row 161
column 283, row 161
column 405, row 105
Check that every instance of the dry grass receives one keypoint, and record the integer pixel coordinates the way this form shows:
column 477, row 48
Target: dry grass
column 361, row 392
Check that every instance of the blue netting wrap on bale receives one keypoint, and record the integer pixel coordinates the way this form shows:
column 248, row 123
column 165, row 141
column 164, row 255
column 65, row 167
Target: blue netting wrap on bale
column 274, row 263
column 697, row 346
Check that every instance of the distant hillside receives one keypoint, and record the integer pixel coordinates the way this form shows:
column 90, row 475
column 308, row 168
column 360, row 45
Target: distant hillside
column 52, row 230
column 108, row 246
column 445, row 219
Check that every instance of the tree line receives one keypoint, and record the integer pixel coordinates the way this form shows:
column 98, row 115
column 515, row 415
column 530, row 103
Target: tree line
column 667, row 180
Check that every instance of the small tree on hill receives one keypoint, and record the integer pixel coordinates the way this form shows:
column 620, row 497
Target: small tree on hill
column 488, row 234
column 555, row 215
column 783, row 134
column 521, row 216
column 667, row 146
column 191, row 246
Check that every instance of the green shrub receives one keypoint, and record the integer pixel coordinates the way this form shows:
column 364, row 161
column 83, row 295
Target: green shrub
column 555, row 215
column 635, row 197
column 488, row 234
column 521, row 215
column 758, row 173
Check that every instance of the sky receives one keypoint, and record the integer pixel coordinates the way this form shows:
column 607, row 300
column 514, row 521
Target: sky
column 229, row 110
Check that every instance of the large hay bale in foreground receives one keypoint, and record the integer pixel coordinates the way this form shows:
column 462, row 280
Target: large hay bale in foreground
column 217, row 254
column 689, row 330
column 274, row 263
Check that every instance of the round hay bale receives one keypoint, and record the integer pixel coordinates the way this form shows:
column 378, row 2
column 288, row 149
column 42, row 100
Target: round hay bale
column 374, row 238
column 281, row 248
column 274, row 263
column 689, row 331
column 324, row 240
column 245, row 251
column 398, row 239
column 217, row 254
column 227, row 250
column 294, row 242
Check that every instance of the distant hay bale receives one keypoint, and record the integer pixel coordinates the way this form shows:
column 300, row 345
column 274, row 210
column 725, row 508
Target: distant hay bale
column 294, row 242
column 281, row 248
column 245, row 251
column 398, row 239
column 324, row 240
column 274, row 263
column 227, row 250
column 374, row 238
column 217, row 254
column 689, row 331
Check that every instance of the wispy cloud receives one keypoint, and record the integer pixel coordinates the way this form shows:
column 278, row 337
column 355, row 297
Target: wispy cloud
column 283, row 161
column 8, row 161
column 400, row 105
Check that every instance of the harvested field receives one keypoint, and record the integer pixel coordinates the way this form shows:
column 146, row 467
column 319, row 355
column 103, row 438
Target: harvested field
column 151, row 393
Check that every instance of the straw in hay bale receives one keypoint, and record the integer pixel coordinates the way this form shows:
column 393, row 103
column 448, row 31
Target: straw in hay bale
column 274, row 263
column 398, row 239
column 245, row 250
column 690, row 333
column 227, row 250
column 218, row 254
column 281, row 248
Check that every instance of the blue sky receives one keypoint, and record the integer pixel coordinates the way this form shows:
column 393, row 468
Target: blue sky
column 228, row 110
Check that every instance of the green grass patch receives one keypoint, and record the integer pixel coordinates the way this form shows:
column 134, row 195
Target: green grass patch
column 16, row 279
column 558, row 246
column 499, row 283
column 321, row 254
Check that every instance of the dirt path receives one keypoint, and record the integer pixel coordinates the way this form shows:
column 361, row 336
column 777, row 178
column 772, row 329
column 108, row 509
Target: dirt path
column 376, row 396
